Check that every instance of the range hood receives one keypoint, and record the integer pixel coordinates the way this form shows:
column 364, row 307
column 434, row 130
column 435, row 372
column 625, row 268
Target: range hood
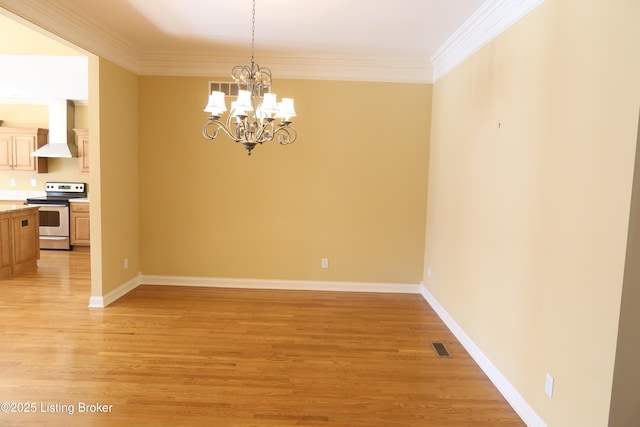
column 61, row 137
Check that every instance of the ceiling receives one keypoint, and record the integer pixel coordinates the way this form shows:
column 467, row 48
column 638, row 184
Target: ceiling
column 328, row 39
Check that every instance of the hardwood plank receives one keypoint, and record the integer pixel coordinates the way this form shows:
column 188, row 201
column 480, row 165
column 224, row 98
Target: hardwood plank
column 228, row 357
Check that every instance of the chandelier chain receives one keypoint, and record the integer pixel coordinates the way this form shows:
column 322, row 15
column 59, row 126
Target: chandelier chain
column 253, row 32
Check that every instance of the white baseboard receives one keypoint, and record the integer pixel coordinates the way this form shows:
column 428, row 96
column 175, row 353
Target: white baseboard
column 96, row 302
column 213, row 282
column 300, row 285
column 517, row 402
column 117, row 293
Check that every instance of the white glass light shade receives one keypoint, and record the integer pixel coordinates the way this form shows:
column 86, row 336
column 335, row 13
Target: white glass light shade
column 216, row 105
column 286, row 110
column 261, row 114
column 237, row 110
column 244, row 100
column 270, row 104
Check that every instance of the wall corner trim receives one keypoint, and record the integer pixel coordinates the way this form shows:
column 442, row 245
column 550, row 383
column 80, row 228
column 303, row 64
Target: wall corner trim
column 517, row 402
column 493, row 17
column 96, row 302
column 103, row 301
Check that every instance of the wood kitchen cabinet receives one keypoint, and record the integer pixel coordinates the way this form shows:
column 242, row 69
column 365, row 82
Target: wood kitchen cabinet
column 83, row 148
column 19, row 240
column 16, row 146
column 5, row 246
column 80, row 224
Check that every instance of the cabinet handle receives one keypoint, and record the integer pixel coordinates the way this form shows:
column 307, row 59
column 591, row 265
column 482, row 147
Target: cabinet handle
column 25, row 222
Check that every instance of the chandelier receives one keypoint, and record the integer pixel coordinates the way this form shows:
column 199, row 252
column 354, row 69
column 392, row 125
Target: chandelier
column 253, row 115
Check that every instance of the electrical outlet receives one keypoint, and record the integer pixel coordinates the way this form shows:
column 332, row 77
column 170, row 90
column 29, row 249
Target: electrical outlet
column 12, row 181
column 34, row 182
column 126, row 263
column 325, row 262
column 429, row 271
column 548, row 385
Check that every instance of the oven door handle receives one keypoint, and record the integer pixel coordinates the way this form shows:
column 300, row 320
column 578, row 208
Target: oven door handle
column 54, row 237
column 46, row 206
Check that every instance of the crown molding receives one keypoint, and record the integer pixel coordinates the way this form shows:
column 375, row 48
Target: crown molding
column 306, row 67
column 493, row 17
column 67, row 25
column 399, row 70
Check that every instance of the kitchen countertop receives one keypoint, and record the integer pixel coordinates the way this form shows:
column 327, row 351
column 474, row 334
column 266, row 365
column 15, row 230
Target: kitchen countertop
column 80, row 200
column 15, row 208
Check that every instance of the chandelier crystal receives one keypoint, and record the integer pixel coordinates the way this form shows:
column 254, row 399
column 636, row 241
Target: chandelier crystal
column 253, row 115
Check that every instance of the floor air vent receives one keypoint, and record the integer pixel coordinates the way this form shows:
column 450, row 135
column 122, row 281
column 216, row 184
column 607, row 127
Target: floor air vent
column 440, row 349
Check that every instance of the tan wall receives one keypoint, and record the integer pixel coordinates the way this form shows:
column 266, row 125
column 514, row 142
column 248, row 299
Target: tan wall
column 24, row 115
column 532, row 156
column 351, row 189
column 34, row 115
column 115, row 212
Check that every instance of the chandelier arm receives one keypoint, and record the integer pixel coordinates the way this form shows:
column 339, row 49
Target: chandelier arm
column 227, row 126
column 286, row 134
column 265, row 134
column 242, row 74
column 241, row 128
column 220, row 126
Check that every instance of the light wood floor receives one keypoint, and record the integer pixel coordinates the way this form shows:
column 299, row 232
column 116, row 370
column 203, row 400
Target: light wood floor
column 173, row 356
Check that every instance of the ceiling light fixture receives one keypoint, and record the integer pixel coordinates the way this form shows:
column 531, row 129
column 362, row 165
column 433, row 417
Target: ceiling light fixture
column 251, row 120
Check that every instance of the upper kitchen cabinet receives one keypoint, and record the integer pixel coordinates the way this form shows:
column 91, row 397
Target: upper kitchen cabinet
column 83, row 148
column 16, row 146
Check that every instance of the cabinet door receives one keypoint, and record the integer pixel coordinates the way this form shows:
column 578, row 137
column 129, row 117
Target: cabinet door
column 6, row 153
column 16, row 146
column 5, row 247
column 85, row 155
column 80, row 224
column 83, row 148
column 83, row 235
column 25, row 242
column 23, row 146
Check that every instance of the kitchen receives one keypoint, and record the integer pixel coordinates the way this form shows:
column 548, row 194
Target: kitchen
column 39, row 102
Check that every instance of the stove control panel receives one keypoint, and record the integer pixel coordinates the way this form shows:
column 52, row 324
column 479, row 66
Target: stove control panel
column 65, row 187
